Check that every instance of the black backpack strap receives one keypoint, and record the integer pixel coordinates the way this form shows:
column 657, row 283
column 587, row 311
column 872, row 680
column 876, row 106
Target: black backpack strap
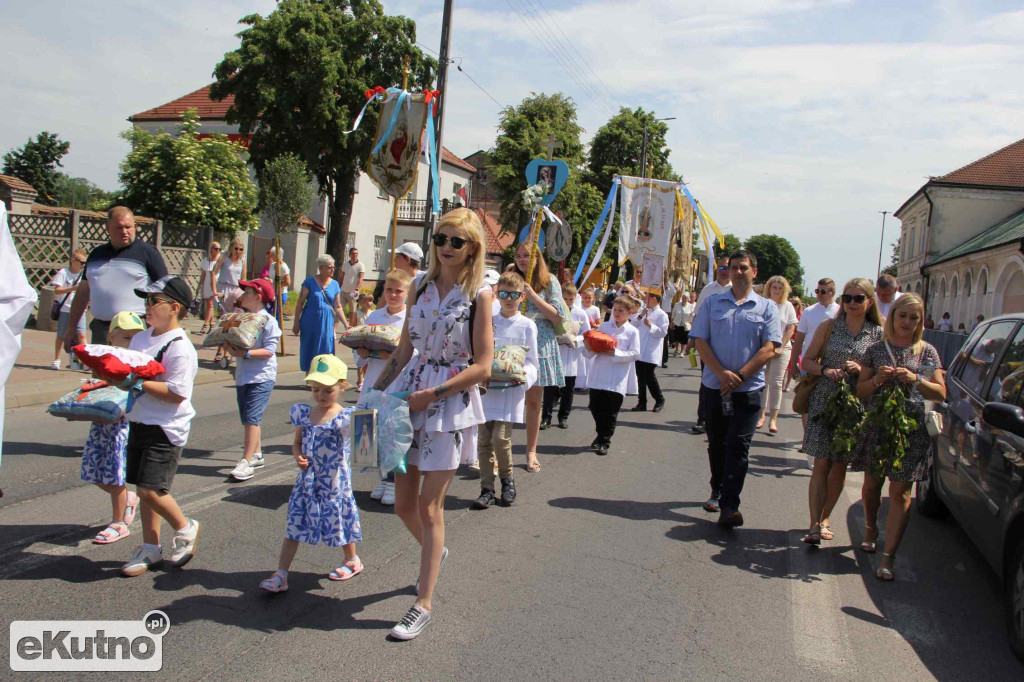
column 160, row 353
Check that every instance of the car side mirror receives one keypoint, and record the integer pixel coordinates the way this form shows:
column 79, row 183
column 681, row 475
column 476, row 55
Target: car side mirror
column 1004, row 416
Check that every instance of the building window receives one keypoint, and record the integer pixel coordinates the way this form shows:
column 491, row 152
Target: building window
column 378, row 252
column 381, row 194
column 351, row 241
column 913, row 238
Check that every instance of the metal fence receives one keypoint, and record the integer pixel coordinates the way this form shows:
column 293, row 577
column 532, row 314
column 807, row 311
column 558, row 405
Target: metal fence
column 948, row 344
column 45, row 243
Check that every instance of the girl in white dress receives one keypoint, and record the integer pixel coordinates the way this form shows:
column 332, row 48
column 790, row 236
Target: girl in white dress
column 453, row 357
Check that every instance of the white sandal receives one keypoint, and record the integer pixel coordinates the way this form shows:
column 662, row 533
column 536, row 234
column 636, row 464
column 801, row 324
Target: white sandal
column 276, row 583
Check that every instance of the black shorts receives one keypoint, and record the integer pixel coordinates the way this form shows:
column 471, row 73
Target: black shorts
column 151, row 458
column 680, row 335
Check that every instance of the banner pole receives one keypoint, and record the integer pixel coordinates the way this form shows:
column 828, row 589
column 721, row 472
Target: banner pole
column 394, row 209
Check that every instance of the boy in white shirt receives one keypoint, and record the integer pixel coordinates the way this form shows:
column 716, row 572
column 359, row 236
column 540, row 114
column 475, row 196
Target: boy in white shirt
column 652, row 323
column 611, row 374
column 255, row 374
column 392, row 313
column 504, row 407
column 573, row 366
column 592, row 311
column 159, row 424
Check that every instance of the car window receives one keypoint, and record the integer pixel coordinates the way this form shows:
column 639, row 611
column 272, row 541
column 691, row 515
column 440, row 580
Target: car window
column 984, row 354
column 965, row 351
column 1009, row 375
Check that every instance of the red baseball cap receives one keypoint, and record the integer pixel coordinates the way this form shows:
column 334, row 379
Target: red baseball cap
column 261, row 285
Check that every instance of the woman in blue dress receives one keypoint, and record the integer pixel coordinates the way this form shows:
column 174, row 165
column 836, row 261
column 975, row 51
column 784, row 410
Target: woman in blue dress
column 317, row 313
column 544, row 305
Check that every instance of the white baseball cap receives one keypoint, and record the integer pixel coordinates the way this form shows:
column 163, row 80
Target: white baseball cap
column 411, row 250
column 491, row 277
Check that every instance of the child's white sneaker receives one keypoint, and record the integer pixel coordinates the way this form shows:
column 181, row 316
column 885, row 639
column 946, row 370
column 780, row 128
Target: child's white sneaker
column 243, row 471
column 389, row 493
column 183, row 545
column 141, row 561
column 55, row 364
column 258, row 461
column 378, row 492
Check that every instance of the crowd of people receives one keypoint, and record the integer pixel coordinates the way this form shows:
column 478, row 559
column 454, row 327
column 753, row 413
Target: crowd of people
column 454, row 319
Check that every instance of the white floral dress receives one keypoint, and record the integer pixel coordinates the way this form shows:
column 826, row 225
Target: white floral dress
column 322, row 509
column 445, row 433
column 103, row 457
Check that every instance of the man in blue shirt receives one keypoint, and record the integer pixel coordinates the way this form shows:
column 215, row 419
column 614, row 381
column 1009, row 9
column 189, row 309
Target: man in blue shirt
column 736, row 333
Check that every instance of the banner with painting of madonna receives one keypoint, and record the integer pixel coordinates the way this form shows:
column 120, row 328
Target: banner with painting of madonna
column 648, row 217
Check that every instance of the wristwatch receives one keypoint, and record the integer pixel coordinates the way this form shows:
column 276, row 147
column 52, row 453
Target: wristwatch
column 247, row 357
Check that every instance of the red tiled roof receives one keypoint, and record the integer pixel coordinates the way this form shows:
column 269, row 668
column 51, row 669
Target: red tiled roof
column 15, row 183
column 1002, row 168
column 63, row 211
column 218, row 111
column 200, row 100
column 312, row 224
column 497, row 241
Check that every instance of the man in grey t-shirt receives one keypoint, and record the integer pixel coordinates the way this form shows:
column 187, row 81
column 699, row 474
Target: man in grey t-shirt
column 113, row 272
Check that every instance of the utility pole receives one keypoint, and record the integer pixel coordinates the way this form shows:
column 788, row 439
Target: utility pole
column 442, row 104
column 643, row 152
column 881, row 242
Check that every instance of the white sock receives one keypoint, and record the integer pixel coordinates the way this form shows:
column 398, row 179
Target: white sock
column 150, row 548
column 186, row 527
column 258, row 455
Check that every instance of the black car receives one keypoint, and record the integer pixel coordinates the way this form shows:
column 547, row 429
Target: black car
column 978, row 459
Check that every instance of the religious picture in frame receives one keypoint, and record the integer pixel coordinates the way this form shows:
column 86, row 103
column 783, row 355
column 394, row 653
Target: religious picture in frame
column 546, row 176
column 363, row 437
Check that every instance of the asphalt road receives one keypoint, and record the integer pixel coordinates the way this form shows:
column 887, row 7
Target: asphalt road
column 606, row 567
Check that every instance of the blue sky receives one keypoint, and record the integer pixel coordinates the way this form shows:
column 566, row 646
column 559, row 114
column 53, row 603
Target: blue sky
column 802, row 118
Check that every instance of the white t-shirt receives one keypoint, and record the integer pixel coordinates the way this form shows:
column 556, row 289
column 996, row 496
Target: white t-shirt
column 883, row 308
column 710, row 290
column 181, row 364
column 945, row 325
column 65, row 278
column 812, row 318
column 259, row 370
column 351, row 276
column 667, row 295
column 285, row 271
column 787, row 316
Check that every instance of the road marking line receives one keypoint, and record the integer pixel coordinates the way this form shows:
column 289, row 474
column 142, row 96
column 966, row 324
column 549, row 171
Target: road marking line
column 817, row 625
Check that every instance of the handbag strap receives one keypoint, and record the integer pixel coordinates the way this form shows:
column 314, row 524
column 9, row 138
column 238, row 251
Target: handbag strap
column 75, row 283
column 824, row 343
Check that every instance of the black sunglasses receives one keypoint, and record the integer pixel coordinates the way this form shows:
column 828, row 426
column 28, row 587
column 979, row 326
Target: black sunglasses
column 154, row 300
column 854, row 298
column 456, row 242
column 823, row 291
column 514, row 295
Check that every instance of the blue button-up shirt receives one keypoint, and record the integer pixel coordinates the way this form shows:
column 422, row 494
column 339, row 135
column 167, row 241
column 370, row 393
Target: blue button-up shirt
column 736, row 330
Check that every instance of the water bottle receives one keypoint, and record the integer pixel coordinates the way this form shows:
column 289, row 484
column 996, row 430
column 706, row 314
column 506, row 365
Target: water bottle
column 693, row 358
column 727, row 404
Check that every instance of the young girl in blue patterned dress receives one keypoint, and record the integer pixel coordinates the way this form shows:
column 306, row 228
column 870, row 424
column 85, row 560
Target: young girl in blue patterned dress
column 103, row 457
column 322, row 508
column 449, row 324
column 544, row 305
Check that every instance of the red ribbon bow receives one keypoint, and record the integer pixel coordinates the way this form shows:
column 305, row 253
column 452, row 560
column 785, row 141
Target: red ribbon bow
column 373, row 92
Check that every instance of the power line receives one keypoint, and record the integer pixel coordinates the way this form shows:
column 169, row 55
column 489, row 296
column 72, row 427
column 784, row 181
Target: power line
column 472, row 80
column 564, row 57
column 433, row 52
column 582, row 58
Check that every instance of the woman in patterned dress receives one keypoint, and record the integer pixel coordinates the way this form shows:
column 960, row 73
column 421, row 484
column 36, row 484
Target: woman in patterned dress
column 544, row 305
column 321, row 509
column 857, row 326
column 453, row 358
column 915, row 366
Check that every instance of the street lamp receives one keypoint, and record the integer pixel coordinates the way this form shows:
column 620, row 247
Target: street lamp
column 881, row 242
column 643, row 153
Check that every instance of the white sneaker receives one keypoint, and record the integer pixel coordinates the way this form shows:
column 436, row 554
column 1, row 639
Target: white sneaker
column 141, row 561
column 243, row 471
column 388, row 497
column 378, row 492
column 475, row 466
column 55, row 364
column 257, row 461
column 183, row 545
column 412, row 624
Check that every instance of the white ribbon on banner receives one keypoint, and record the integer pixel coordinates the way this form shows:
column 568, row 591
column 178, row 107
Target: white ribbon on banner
column 601, row 247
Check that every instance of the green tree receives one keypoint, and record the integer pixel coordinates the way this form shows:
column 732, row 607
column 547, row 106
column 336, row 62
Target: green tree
column 894, row 260
column 36, row 163
column 80, row 193
column 775, row 256
column 732, row 245
column 617, row 148
column 523, row 134
column 285, row 192
column 188, row 181
column 298, row 80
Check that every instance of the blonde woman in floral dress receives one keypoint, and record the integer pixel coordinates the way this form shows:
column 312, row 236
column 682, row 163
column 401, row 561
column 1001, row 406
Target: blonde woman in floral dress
column 453, row 358
column 914, row 365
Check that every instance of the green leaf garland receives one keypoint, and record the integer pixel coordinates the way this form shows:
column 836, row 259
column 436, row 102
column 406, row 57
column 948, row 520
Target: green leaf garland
column 890, row 419
column 843, row 416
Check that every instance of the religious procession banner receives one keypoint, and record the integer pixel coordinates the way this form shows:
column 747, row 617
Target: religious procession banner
column 648, row 217
column 395, row 158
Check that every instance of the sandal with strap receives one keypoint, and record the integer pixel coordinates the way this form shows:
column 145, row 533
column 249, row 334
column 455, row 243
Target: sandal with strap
column 276, row 583
column 111, row 534
column 813, row 537
column 868, row 546
column 533, row 466
column 130, row 508
column 886, row 575
column 827, row 534
column 348, row 570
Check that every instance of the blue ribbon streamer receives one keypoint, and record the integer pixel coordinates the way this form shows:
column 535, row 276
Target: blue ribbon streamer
column 402, row 95
column 597, row 229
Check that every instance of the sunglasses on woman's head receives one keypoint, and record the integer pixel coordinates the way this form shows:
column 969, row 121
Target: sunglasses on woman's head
column 854, row 298
column 456, row 242
column 514, row 295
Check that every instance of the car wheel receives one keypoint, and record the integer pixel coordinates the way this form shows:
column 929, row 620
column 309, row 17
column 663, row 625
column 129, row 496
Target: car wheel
column 927, row 495
column 1015, row 599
